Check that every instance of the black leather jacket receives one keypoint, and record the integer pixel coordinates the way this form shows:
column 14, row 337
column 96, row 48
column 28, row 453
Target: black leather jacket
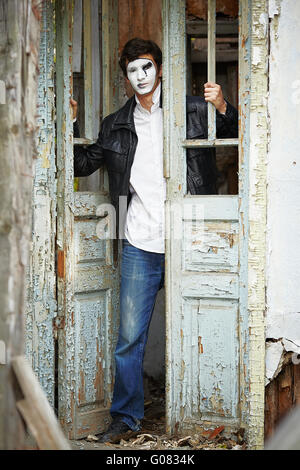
column 117, row 142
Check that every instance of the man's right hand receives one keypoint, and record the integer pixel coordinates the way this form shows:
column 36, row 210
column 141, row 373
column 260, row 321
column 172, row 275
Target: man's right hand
column 74, row 107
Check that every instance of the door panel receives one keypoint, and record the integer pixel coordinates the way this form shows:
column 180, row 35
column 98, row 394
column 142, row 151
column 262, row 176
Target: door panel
column 88, row 282
column 206, row 332
column 96, row 282
column 210, row 348
column 41, row 307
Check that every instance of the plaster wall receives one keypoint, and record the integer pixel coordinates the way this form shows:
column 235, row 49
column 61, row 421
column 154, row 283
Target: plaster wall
column 283, row 189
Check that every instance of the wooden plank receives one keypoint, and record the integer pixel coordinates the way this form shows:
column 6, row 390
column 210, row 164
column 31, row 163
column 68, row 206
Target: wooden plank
column 227, row 209
column 211, row 65
column 36, row 409
column 19, row 39
column 271, row 408
column 253, row 89
column 198, row 28
column 83, row 141
column 174, row 106
column 195, row 143
column 92, row 81
column 110, row 45
column 282, row 394
column 86, row 203
column 296, row 382
column 285, row 398
column 77, row 36
column 92, row 85
column 88, row 67
column 65, row 199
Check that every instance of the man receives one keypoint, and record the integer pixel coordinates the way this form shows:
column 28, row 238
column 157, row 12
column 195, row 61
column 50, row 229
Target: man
column 130, row 144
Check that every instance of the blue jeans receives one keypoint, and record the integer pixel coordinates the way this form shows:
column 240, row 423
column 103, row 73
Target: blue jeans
column 142, row 275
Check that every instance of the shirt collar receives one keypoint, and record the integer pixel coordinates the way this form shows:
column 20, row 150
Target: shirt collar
column 155, row 99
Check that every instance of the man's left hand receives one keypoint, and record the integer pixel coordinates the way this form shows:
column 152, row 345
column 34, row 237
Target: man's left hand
column 213, row 94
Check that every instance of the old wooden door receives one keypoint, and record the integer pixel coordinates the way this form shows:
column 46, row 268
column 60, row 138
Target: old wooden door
column 41, row 306
column 209, row 371
column 87, row 259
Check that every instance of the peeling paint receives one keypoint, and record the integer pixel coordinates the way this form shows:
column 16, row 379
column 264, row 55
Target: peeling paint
column 205, row 285
column 257, row 222
column 283, row 260
column 274, row 8
column 41, row 280
column 88, row 287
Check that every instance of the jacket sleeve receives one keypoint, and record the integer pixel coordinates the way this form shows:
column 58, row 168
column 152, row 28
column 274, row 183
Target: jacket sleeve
column 87, row 158
column 227, row 124
column 76, row 131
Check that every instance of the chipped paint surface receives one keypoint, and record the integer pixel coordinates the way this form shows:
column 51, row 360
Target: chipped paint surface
column 88, row 290
column 204, row 383
column 257, row 147
column 19, row 38
column 41, row 278
column 174, row 130
column 207, row 289
column 283, row 163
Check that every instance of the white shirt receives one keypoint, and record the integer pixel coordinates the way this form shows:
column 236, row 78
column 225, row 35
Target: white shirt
column 145, row 225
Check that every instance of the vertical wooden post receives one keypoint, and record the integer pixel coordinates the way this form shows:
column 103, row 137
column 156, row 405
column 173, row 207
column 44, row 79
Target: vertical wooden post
column 65, row 198
column 19, row 42
column 257, row 208
column 110, row 43
column 174, row 92
column 211, row 65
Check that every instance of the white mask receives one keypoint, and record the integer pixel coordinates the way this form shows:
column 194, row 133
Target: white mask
column 142, row 75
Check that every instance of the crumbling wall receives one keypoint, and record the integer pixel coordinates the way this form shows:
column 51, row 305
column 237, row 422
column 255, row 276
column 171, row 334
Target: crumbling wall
column 283, row 190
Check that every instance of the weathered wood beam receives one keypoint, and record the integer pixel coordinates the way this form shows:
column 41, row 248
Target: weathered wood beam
column 199, row 28
column 211, row 66
column 36, row 410
column 195, row 143
column 19, row 47
column 41, row 277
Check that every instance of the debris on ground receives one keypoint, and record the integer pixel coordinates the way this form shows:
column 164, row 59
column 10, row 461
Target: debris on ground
column 92, row 438
column 153, row 436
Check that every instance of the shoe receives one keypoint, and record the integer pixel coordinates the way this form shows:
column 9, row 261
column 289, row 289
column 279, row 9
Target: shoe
column 116, row 431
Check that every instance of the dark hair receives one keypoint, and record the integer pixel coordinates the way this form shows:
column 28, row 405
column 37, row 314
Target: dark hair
column 137, row 47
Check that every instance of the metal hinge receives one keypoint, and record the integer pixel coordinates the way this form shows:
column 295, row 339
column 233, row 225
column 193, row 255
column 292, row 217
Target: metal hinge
column 58, row 324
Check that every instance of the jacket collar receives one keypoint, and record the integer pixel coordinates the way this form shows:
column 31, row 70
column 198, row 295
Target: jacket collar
column 124, row 117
